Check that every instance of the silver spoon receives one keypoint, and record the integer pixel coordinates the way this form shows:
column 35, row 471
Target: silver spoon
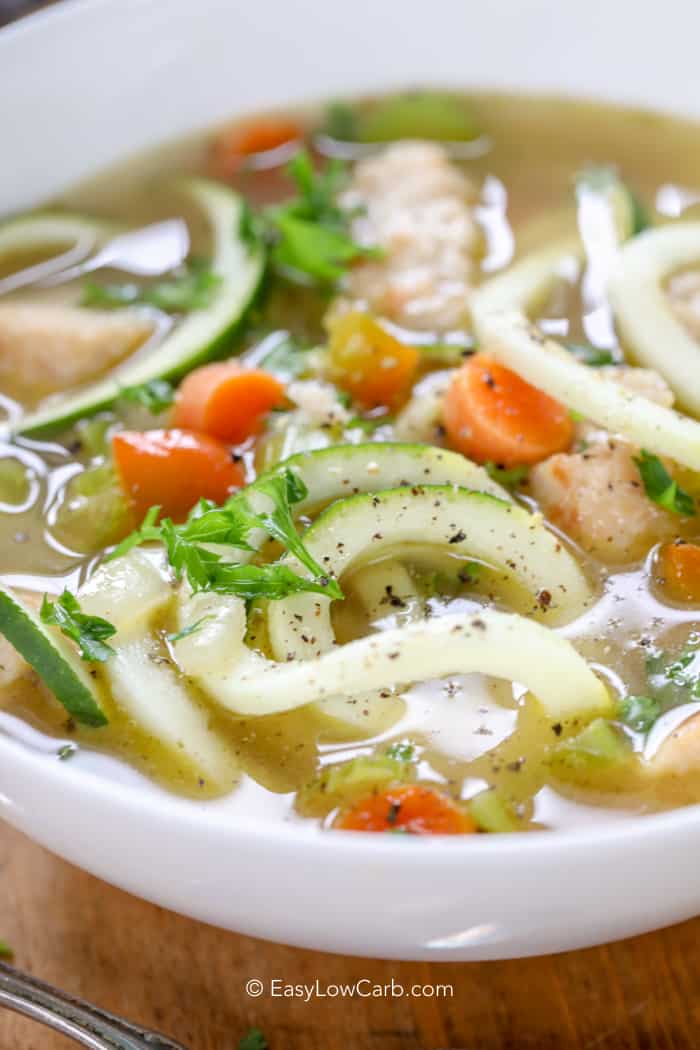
column 147, row 252
column 84, row 1023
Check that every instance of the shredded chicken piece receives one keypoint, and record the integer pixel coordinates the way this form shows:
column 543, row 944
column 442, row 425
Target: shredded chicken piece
column 415, row 205
column 317, row 402
column 597, row 497
column 46, row 349
column 680, row 752
column 684, row 294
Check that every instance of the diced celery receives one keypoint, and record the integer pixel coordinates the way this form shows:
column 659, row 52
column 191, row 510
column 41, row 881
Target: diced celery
column 14, row 481
column 434, row 115
column 93, row 513
column 491, row 812
column 600, row 746
column 346, row 782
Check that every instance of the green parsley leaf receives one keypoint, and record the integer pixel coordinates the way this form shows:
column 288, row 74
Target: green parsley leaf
column 401, row 750
column 273, row 582
column 253, row 1040
column 310, row 234
column 155, row 395
column 187, row 631
column 192, row 289
column 660, row 486
column 147, row 531
column 591, row 355
column 509, row 477
column 638, row 712
column 89, row 632
column 6, row 952
column 285, row 489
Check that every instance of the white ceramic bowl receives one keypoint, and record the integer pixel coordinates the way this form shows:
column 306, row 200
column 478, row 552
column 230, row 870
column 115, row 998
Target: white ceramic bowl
column 86, row 83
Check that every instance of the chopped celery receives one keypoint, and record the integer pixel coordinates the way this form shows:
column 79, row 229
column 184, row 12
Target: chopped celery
column 94, row 513
column 490, row 812
column 346, row 782
column 434, row 115
column 94, row 434
column 14, row 481
column 599, row 745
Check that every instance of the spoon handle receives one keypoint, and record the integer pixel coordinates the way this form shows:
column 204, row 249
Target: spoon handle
column 73, row 1017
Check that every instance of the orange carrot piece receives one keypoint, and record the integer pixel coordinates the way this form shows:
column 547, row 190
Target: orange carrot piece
column 491, row 414
column 410, row 808
column 678, row 566
column 370, row 363
column 226, row 401
column 173, row 469
column 234, row 146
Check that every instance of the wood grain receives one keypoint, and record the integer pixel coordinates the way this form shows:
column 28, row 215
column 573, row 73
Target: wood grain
column 188, row 980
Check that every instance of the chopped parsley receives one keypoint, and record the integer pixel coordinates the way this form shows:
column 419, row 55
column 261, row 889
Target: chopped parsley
column 309, row 235
column 231, row 525
column 155, row 395
column 672, row 680
column 253, row 1040
column 191, row 289
column 6, row 952
column 89, row 632
column 402, row 751
column 661, row 488
column 589, row 355
column 638, row 712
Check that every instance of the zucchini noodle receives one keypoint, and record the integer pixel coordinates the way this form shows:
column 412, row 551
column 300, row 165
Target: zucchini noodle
column 466, row 523
column 645, row 321
column 500, row 644
column 522, row 347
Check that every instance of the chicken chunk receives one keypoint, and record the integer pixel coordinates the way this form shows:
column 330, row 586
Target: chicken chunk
column 46, row 349
column 415, row 205
column 680, row 752
column 684, row 294
column 597, row 498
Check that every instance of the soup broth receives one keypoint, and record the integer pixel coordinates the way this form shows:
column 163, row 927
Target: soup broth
column 366, row 331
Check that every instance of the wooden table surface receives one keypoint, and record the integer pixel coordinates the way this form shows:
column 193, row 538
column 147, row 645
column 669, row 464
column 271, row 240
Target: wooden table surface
column 189, row 980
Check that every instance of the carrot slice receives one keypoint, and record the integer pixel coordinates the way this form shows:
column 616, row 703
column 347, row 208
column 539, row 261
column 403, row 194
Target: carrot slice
column 226, row 401
column 368, row 362
column 410, row 808
column 491, row 414
column 235, row 146
column 678, row 567
column 173, row 469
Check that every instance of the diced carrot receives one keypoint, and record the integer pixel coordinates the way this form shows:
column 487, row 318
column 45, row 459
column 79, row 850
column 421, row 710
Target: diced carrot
column 173, row 469
column 678, row 569
column 409, row 808
column 369, row 362
column 235, row 146
column 491, row 414
column 226, row 400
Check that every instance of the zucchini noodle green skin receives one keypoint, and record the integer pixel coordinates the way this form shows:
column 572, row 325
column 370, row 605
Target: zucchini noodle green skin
column 199, row 336
column 645, row 321
column 466, row 523
column 76, row 234
column 500, row 644
column 334, row 473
